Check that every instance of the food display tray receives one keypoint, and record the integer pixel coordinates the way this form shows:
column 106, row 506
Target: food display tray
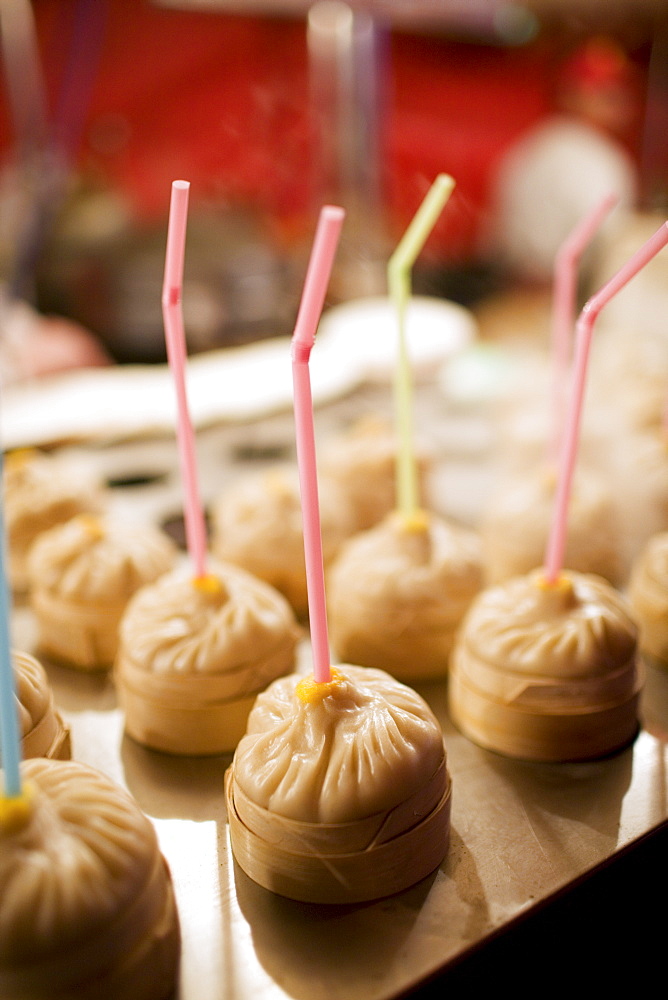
column 521, row 833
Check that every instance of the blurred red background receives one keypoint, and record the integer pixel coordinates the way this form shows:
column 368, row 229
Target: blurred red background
column 221, row 100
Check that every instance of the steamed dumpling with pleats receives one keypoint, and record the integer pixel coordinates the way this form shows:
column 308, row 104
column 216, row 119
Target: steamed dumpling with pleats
column 362, row 462
column 88, row 909
column 397, row 593
column 43, row 732
column 641, row 487
column 194, row 654
column 547, row 671
column 339, row 791
column 516, row 524
column 82, row 574
column 362, row 750
column 40, row 491
column 257, row 524
column 648, row 596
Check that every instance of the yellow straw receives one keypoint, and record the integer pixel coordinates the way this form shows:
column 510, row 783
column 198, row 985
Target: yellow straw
column 399, row 285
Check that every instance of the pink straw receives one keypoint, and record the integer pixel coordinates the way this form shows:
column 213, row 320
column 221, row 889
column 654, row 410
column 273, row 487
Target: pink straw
column 303, row 338
column 563, row 308
column 176, row 353
column 583, row 334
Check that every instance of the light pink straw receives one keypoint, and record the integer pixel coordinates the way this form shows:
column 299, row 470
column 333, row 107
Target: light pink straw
column 176, row 354
column 303, row 338
column 583, row 334
column 563, row 306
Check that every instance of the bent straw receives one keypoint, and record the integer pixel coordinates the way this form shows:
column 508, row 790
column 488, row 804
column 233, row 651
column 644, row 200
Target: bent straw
column 563, row 306
column 399, row 286
column 303, row 338
column 10, row 744
column 556, row 542
column 176, row 353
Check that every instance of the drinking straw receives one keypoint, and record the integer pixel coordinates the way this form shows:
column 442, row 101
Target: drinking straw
column 399, row 286
column 583, row 334
column 176, row 354
column 10, row 745
column 563, row 305
column 303, row 338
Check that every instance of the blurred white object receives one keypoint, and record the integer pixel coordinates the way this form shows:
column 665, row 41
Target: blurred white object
column 366, row 331
column 548, row 183
column 480, row 375
column 559, row 171
column 355, row 343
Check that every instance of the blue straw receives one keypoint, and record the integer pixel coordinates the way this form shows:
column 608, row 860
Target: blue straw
column 9, row 722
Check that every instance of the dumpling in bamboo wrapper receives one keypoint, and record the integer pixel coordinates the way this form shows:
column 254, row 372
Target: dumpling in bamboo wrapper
column 641, row 488
column 546, row 671
column 40, row 491
column 397, row 593
column 82, row 574
column 515, row 527
column 257, row 524
column 194, row 654
column 43, row 732
column 339, row 791
column 87, row 906
column 648, row 596
column 362, row 462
